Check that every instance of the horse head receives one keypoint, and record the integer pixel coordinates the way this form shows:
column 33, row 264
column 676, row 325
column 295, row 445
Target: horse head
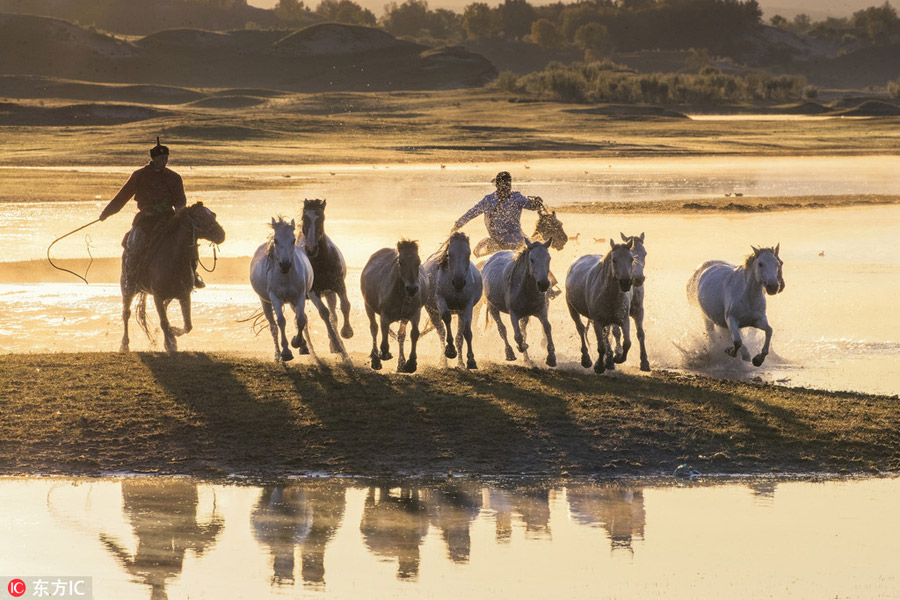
column 550, row 227
column 409, row 262
column 281, row 250
column 539, row 262
column 312, row 225
column 765, row 266
column 204, row 222
column 454, row 257
column 639, row 254
column 622, row 263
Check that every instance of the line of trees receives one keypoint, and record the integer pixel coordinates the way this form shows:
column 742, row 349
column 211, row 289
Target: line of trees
column 878, row 25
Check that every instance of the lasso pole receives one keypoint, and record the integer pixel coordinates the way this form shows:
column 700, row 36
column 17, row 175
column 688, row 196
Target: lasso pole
column 52, row 264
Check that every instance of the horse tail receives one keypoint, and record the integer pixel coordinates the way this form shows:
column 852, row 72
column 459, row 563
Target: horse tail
column 694, row 282
column 141, row 313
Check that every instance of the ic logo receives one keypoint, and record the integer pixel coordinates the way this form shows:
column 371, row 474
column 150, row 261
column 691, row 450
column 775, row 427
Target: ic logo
column 16, row 588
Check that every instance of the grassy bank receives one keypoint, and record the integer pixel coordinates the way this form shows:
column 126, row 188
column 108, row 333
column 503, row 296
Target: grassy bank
column 213, row 415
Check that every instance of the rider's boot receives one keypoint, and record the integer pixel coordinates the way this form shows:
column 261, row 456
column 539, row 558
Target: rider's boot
column 199, row 284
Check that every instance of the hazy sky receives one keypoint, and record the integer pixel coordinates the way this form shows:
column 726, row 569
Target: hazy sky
column 788, row 8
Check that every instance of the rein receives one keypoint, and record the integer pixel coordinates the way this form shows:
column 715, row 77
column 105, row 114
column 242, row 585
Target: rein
column 214, row 246
column 52, row 264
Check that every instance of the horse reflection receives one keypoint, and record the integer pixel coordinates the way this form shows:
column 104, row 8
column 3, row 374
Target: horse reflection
column 532, row 507
column 453, row 507
column 308, row 517
column 394, row 525
column 619, row 510
column 163, row 515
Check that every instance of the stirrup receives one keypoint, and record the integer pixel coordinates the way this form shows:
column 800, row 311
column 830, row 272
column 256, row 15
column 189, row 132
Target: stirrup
column 199, row 284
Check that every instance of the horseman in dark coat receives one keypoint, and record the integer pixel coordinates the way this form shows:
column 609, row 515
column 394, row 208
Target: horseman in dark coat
column 159, row 193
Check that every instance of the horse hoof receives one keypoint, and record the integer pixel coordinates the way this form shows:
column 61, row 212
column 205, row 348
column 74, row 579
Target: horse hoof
column 585, row 361
column 376, row 363
column 303, row 350
column 758, row 360
column 510, row 355
column 408, row 367
column 287, row 355
column 645, row 366
column 470, row 364
column 386, row 355
column 523, row 347
column 295, row 341
column 450, row 351
column 551, row 360
column 346, row 332
column 599, row 367
column 620, row 359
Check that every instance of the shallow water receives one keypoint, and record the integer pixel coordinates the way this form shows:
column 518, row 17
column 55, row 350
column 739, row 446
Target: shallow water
column 833, row 324
column 181, row 538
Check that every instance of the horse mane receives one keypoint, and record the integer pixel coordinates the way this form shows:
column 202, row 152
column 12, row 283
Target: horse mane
column 313, row 204
column 520, row 262
column 406, row 244
column 444, row 250
column 270, row 241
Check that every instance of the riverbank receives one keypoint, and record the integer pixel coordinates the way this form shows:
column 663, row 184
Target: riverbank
column 216, row 415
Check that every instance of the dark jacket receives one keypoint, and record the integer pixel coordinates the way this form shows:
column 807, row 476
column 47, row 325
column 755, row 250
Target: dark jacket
column 156, row 192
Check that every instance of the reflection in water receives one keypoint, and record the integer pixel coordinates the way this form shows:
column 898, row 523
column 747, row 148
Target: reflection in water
column 619, row 510
column 459, row 538
column 163, row 515
column 300, row 515
column 394, row 525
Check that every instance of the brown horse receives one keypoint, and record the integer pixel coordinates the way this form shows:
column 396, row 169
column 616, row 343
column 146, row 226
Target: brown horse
column 167, row 271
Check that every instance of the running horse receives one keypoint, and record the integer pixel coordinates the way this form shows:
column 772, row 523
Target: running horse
column 455, row 286
column 732, row 296
column 329, row 269
column 166, row 271
column 636, row 310
column 516, row 283
column 599, row 288
column 394, row 286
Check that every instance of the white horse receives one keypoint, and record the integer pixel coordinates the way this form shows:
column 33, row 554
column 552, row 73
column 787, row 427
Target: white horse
column 454, row 287
column 280, row 274
column 515, row 283
column 732, row 296
column 394, row 285
column 599, row 288
column 639, row 253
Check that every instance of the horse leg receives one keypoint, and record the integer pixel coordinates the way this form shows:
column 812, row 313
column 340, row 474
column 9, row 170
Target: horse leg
column 373, row 328
column 617, row 336
column 450, row 350
column 494, row 312
column 127, row 297
column 517, row 332
column 763, row 323
column 579, row 327
column 346, row 330
column 626, row 341
column 523, row 328
column 602, row 347
column 278, row 309
column 551, row 349
column 385, row 345
column 435, row 318
column 335, row 344
column 185, row 304
column 609, row 357
column 735, row 330
column 637, row 313
column 411, row 365
column 170, row 343
column 401, row 339
column 300, row 317
column 464, row 328
column 273, row 328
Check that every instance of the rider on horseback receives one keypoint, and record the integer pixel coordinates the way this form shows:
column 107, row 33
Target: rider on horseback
column 502, row 217
column 159, row 193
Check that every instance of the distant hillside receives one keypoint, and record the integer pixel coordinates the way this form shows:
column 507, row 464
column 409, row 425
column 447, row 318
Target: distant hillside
column 324, row 57
column 132, row 18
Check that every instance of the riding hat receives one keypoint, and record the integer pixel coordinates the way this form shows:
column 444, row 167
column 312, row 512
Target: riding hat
column 158, row 149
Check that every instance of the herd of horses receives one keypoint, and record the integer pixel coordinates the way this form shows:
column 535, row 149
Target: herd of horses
column 606, row 290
